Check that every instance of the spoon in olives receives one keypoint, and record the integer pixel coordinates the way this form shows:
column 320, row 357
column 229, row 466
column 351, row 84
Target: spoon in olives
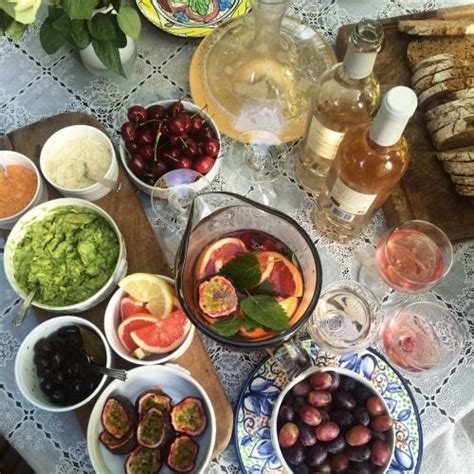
column 95, row 353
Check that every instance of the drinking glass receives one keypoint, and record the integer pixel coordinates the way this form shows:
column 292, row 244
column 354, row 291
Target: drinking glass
column 258, row 159
column 410, row 258
column 421, row 337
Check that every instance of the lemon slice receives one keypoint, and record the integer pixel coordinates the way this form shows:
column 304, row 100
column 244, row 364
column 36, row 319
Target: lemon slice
column 150, row 289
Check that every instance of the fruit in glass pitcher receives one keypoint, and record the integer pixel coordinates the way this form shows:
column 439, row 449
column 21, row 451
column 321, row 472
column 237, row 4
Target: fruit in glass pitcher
column 182, row 454
column 188, row 417
column 217, row 297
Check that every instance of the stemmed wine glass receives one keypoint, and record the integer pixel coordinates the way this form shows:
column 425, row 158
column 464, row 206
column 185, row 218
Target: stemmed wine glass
column 410, row 258
column 258, row 159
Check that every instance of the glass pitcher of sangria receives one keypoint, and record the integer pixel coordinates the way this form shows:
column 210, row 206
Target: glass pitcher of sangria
column 247, row 275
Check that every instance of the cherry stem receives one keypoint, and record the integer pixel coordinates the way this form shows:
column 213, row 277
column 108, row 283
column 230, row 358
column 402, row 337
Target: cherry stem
column 184, row 142
column 158, row 135
column 199, row 111
column 147, row 122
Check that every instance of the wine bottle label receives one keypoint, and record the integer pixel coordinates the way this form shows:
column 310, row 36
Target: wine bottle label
column 323, row 141
column 347, row 204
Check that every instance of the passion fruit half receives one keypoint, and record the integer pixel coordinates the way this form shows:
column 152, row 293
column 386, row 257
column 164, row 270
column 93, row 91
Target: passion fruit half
column 153, row 428
column 182, row 454
column 118, row 446
column 118, row 416
column 188, row 417
column 153, row 399
column 142, row 460
column 217, row 297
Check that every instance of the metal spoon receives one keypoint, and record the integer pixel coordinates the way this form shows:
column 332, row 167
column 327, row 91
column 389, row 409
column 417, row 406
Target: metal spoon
column 23, row 309
column 95, row 352
column 4, row 169
column 108, row 183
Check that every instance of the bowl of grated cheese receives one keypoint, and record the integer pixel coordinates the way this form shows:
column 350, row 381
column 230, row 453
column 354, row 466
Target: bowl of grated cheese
column 74, row 157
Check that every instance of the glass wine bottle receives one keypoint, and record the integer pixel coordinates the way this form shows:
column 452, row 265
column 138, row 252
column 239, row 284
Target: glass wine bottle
column 370, row 162
column 346, row 95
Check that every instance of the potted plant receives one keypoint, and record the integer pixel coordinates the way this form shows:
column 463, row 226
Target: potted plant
column 101, row 28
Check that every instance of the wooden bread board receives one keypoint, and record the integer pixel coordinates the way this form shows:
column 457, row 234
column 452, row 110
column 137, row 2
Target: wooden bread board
column 143, row 255
column 426, row 191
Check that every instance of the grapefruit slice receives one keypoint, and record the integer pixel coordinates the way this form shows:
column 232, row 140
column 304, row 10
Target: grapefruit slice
column 289, row 305
column 285, row 277
column 130, row 307
column 132, row 324
column 217, row 254
column 266, row 261
column 258, row 333
column 164, row 335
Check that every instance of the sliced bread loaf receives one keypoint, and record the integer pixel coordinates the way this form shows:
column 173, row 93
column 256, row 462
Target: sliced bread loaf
column 431, row 60
column 460, row 179
column 438, row 91
column 438, row 66
column 437, row 27
column 419, row 50
column 459, row 167
column 458, row 154
column 448, row 107
column 446, row 75
column 467, row 93
column 465, row 190
column 464, row 111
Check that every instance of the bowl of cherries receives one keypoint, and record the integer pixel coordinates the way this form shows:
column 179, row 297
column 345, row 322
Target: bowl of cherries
column 169, row 135
column 332, row 420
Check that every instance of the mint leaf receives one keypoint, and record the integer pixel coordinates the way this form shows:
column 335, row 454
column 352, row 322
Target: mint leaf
column 228, row 327
column 80, row 9
column 243, row 270
column 265, row 288
column 51, row 39
column 79, row 34
column 129, row 21
column 250, row 324
column 265, row 311
column 108, row 53
column 101, row 27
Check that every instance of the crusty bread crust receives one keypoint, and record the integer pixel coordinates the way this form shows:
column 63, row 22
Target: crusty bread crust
column 436, row 27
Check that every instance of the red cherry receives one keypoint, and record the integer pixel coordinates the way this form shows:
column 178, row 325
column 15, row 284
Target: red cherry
column 175, row 108
column 128, row 131
column 175, row 140
column 146, row 151
column 156, row 112
column 145, row 137
column 197, row 124
column 203, row 164
column 184, row 163
column 158, row 168
column 187, row 122
column 137, row 114
column 171, row 154
column 190, row 148
column 137, row 164
column 132, row 147
column 149, row 179
column 211, row 147
column 180, row 125
column 206, row 132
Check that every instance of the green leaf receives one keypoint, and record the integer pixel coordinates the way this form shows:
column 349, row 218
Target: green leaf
column 228, row 327
column 79, row 34
column 116, row 4
column 5, row 21
column 80, row 9
column 265, row 311
column 108, row 53
column 51, row 39
column 129, row 21
column 199, row 6
column 243, row 270
column 250, row 324
column 62, row 24
column 101, row 27
column 265, row 288
column 15, row 30
column 121, row 38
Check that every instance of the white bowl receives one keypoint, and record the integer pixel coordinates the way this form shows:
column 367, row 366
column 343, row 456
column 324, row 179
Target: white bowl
column 173, row 380
column 112, row 321
column 303, row 376
column 10, row 158
column 198, row 185
column 40, row 212
column 57, row 140
column 25, row 370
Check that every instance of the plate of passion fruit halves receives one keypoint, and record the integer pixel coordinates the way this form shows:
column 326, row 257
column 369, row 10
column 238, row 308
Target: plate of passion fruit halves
column 159, row 420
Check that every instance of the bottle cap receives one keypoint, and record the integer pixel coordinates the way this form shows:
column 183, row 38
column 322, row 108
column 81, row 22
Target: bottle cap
column 398, row 105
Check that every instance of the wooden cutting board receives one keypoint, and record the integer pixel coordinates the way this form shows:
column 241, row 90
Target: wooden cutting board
column 426, row 191
column 143, row 255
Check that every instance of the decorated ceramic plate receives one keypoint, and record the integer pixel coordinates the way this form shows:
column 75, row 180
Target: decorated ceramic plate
column 254, row 408
column 192, row 18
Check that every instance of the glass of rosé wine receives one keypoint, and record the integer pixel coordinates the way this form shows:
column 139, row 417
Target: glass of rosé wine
column 410, row 258
column 421, row 337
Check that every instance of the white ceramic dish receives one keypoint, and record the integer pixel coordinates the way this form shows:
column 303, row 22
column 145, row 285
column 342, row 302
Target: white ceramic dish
column 173, row 380
column 25, row 370
column 198, row 185
column 40, row 212
column 303, row 376
column 112, row 321
column 57, row 140
column 10, row 158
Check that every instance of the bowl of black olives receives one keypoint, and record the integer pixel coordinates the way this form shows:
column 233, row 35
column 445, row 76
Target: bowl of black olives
column 52, row 368
column 332, row 420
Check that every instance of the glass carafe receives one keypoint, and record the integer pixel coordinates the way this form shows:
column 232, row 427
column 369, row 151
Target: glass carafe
column 258, row 72
column 214, row 214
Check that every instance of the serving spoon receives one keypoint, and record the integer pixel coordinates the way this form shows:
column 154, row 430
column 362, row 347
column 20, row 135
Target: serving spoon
column 108, row 183
column 23, row 309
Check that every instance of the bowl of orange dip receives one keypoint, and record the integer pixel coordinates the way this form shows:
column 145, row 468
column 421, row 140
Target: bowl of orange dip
column 21, row 187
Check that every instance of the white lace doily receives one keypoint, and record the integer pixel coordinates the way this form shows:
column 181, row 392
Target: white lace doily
column 34, row 85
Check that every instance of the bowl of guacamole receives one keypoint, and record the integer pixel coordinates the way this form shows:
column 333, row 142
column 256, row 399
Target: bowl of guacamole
column 69, row 252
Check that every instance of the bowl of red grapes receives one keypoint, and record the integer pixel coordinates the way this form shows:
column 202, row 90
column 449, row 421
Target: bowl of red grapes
column 169, row 135
column 53, row 369
column 332, row 420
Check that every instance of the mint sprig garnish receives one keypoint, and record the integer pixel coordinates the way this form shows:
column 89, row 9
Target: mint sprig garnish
column 226, row 327
column 265, row 311
column 243, row 270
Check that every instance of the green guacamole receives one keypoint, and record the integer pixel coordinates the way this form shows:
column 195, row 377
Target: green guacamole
column 66, row 257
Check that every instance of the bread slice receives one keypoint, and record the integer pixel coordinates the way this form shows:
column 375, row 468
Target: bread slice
column 438, row 91
column 431, row 60
column 467, row 180
column 459, row 167
column 458, row 154
column 437, row 67
column 419, row 50
column 448, row 107
column 437, row 27
column 446, row 75
column 464, row 111
column 467, row 93
column 464, row 190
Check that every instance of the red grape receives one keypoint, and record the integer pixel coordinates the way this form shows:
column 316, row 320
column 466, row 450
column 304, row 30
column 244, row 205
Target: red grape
column 137, row 114
column 319, row 398
column 339, row 462
column 128, row 131
column 211, row 147
column 320, row 380
column 358, row 435
column 380, row 453
column 310, row 415
column 381, row 423
column 375, row 406
column 327, row 431
column 156, row 112
column 288, row 435
column 203, row 164
column 301, row 389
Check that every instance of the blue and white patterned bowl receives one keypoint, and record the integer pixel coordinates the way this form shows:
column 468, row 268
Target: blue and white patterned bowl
column 252, row 436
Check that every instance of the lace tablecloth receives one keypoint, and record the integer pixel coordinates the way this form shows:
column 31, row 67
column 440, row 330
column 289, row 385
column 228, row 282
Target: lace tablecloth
column 34, row 85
